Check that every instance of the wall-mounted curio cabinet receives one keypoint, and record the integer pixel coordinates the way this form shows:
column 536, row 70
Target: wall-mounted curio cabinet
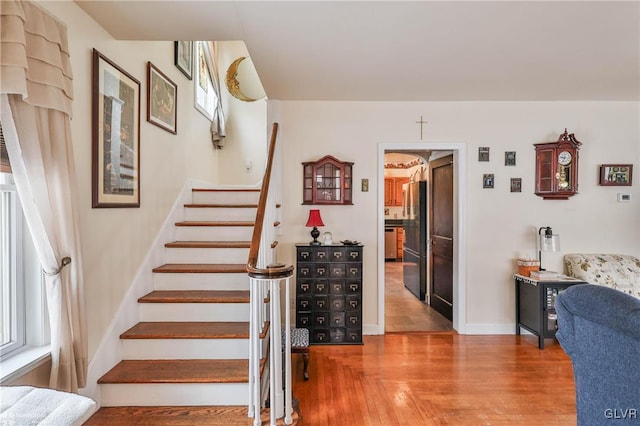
column 557, row 168
column 327, row 181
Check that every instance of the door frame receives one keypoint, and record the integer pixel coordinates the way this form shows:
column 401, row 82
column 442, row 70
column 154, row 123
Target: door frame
column 459, row 225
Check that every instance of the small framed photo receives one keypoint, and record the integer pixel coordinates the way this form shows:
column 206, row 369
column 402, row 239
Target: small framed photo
column 161, row 100
column 115, row 110
column 483, row 153
column 616, row 174
column 487, row 180
column 183, row 57
column 516, row 184
column 509, row 158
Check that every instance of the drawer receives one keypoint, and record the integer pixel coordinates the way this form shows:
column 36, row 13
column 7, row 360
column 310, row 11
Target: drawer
column 353, row 302
column 337, row 254
column 320, row 287
column 304, row 254
column 303, row 287
column 320, row 335
column 354, row 286
column 304, row 270
column 320, row 319
column 321, row 303
column 353, row 335
column 337, row 270
column 337, row 303
column 354, row 254
column 354, row 270
column 337, row 319
column 321, row 254
column 303, row 320
column 303, row 303
column 320, row 270
column 336, row 286
column 337, row 334
column 353, row 319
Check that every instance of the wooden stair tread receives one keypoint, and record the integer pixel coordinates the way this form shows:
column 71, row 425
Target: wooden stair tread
column 209, row 244
column 202, row 268
column 215, row 206
column 215, row 223
column 196, row 296
column 188, row 330
column 224, row 190
column 222, row 415
column 178, row 371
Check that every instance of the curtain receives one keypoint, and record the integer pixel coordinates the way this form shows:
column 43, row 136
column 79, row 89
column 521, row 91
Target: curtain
column 218, row 132
column 35, row 112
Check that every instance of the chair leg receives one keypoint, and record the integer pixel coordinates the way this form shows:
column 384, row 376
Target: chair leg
column 305, row 360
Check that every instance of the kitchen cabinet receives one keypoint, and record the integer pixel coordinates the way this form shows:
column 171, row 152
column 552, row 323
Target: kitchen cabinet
column 393, row 190
column 399, row 242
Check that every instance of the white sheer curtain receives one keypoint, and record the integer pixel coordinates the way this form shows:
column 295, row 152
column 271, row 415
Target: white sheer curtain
column 36, row 96
column 218, row 131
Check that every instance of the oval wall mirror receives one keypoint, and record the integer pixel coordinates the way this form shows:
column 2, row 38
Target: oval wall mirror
column 243, row 82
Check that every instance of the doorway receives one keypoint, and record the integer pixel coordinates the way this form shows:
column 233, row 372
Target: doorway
column 398, row 309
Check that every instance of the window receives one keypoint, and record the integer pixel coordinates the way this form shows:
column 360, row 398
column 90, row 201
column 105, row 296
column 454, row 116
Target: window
column 12, row 335
column 23, row 313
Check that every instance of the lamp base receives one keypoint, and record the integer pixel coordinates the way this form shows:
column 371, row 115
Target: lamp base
column 315, row 234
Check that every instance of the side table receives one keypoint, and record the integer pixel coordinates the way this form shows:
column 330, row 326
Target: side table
column 535, row 304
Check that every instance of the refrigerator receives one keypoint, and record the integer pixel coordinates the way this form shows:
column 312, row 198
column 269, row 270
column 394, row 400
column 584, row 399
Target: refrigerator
column 415, row 249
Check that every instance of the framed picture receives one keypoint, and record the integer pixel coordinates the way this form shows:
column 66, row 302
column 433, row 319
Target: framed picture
column 205, row 95
column 115, row 135
column 516, row 184
column 509, row 158
column 483, row 153
column 616, row 174
column 487, row 180
column 162, row 93
column 183, row 57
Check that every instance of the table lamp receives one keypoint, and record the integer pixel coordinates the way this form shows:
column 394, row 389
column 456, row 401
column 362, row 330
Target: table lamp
column 547, row 241
column 314, row 221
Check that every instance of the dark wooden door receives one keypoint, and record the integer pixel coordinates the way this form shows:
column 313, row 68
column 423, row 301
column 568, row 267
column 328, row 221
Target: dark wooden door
column 441, row 236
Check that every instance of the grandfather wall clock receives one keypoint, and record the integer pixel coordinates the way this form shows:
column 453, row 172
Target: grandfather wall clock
column 557, row 168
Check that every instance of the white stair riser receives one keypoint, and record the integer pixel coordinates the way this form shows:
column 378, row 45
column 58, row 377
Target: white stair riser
column 219, row 213
column 180, row 394
column 204, row 281
column 194, row 312
column 214, row 233
column 185, row 349
column 225, row 197
column 207, row 255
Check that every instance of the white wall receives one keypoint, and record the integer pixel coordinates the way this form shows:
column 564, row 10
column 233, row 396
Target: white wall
column 247, row 129
column 499, row 224
column 115, row 241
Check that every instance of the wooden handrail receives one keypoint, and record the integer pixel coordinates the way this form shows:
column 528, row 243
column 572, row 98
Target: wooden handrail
column 275, row 270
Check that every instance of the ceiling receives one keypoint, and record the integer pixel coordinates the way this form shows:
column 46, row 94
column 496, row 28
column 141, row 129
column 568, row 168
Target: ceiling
column 409, row 51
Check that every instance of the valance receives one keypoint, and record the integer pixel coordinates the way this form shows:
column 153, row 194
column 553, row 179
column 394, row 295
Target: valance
column 34, row 56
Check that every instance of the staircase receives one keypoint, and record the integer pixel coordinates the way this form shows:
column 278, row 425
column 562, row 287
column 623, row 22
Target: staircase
column 192, row 344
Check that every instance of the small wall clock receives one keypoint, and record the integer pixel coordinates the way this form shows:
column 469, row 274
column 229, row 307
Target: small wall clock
column 557, row 168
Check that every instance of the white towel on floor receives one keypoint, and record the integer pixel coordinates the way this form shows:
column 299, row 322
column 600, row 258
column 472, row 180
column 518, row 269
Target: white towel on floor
column 27, row 406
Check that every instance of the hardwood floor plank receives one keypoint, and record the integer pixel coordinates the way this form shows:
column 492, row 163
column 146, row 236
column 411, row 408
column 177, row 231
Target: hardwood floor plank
column 201, row 268
column 188, row 330
column 438, row 379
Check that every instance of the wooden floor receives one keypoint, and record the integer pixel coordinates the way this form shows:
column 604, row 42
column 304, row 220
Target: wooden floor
column 413, row 378
column 402, row 310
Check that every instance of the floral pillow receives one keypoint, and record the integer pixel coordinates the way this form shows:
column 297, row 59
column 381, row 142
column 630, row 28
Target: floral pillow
column 618, row 271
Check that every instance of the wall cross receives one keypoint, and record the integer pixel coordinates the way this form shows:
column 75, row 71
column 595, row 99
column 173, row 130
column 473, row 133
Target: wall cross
column 421, row 123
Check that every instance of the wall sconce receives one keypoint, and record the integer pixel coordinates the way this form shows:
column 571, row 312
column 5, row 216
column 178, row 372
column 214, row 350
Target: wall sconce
column 314, row 221
column 547, row 241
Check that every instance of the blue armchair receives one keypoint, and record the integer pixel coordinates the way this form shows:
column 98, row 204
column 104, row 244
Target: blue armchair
column 599, row 328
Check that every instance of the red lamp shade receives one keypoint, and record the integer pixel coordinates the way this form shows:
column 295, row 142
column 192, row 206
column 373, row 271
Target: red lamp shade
column 314, row 218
